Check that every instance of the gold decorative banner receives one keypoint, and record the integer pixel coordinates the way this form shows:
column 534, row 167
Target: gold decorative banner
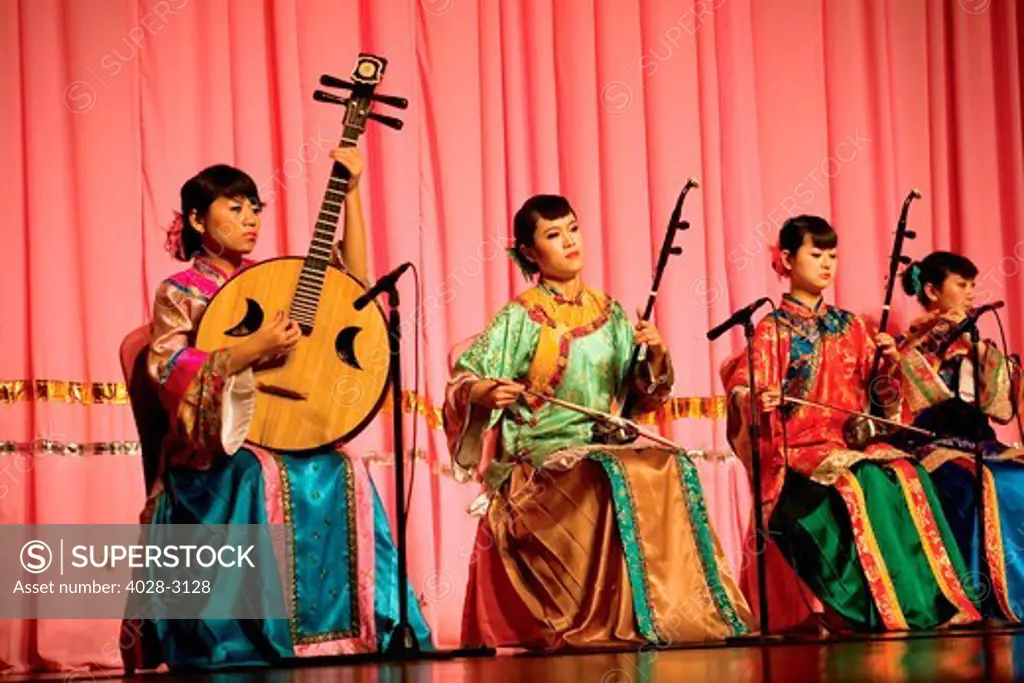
column 116, row 393
column 687, row 407
column 59, row 391
column 410, row 403
column 48, row 447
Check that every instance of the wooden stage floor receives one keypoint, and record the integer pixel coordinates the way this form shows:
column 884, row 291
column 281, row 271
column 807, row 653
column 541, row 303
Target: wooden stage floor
column 947, row 657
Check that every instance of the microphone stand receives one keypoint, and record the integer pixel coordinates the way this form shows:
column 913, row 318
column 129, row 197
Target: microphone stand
column 979, row 477
column 403, row 642
column 745, row 317
column 970, row 326
column 754, row 431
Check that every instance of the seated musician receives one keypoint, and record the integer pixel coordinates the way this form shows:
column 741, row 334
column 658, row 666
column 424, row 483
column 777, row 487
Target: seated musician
column 581, row 545
column 210, row 476
column 938, row 394
column 862, row 528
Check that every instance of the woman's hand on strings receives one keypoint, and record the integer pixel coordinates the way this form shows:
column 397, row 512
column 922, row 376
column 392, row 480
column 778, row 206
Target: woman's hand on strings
column 769, row 400
column 495, row 394
column 277, row 338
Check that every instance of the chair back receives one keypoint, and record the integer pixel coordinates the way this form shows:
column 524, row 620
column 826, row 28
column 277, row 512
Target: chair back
column 151, row 418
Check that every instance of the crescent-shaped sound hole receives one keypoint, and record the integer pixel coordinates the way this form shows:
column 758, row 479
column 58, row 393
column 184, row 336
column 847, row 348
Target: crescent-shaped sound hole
column 250, row 323
column 345, row 346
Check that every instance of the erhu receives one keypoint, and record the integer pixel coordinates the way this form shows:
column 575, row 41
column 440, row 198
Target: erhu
column 609, row 431
column 862, row 429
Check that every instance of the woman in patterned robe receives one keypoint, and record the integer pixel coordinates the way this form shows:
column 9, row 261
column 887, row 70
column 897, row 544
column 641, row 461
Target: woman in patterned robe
column 938, row 394
column 580, row 545
column 340, row 565
column 863, row 529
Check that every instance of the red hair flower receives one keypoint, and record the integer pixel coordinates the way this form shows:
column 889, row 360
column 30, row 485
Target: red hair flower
column 173, row 242
column 777, row 264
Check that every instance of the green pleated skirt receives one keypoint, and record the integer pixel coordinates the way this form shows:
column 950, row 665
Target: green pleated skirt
column 875, row 548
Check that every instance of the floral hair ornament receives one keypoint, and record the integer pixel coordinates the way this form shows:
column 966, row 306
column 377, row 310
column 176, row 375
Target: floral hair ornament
column 521, row 261
column 173, row 244
column 777, row 265
column 915, row 277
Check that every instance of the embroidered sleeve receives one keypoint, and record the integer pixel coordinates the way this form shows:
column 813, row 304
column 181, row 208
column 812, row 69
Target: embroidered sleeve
column 921, row 383
column 502, row 351
column 210, row 409
column 928, row 380
column 920, row 373
column 997, row 390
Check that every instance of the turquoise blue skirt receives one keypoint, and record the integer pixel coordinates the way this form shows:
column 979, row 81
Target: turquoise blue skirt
column 1002, row 585
column 318, row 489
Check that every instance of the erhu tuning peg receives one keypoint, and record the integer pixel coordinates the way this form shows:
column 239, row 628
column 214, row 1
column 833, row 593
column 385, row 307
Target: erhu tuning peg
column 906, row 260
column 910, row 234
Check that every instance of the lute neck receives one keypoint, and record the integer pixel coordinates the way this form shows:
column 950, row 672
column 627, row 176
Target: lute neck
column 314, row 269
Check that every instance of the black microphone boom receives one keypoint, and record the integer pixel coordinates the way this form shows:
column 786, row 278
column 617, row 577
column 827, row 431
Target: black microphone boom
column 737, row 318
column 967, row 323
column 382, row 285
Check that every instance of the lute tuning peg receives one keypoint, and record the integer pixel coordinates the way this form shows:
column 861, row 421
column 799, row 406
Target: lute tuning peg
column 331, row 98
column 324, row 96
column 390, row 100
column 334, row 82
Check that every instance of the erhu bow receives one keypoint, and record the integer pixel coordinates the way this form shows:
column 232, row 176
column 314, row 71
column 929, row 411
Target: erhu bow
column 857, row 414
column 602, row 433
column 615, row 422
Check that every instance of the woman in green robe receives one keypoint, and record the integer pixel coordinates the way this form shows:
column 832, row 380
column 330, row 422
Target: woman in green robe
column 580, row 544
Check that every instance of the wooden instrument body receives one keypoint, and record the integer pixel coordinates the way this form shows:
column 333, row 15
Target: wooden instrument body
column 330, row 387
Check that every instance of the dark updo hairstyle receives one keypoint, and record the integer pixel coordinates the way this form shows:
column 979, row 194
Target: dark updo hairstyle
column 933, row 270
column 547, row 206
column 200, row 191
column 791, row 237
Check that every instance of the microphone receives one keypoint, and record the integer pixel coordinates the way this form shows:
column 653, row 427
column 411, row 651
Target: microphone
column 967, row 323
column 382, row 285
column 740, row 316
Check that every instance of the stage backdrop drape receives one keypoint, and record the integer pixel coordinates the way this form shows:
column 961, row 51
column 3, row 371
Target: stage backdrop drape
column 834, row 107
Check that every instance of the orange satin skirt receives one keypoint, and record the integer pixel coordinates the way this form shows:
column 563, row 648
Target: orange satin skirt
column 615, row 550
